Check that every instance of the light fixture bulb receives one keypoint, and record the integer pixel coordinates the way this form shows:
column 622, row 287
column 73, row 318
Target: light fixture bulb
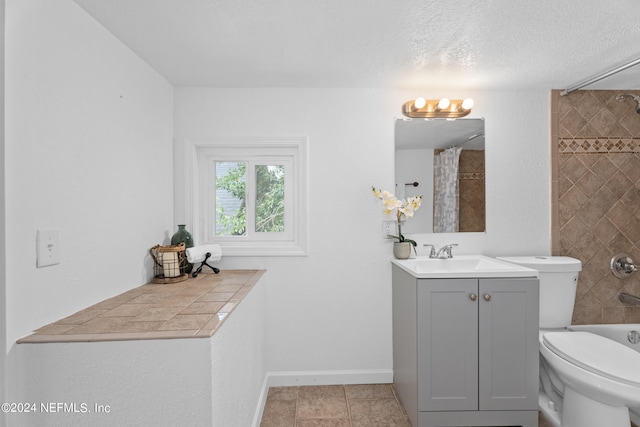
column 444, row 103
column 437, row 108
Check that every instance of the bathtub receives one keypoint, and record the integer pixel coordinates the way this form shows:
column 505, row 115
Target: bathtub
column 624, row 333
column 617, row 332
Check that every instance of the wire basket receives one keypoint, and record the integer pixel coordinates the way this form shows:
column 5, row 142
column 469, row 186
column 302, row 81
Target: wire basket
column 169, row 264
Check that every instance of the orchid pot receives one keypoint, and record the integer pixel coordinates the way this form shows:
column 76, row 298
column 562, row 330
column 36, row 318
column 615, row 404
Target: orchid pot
column 402, row 250
column 402, row 209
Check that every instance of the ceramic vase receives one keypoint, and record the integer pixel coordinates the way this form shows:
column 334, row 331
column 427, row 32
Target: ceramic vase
column 183, row 236
column 401, row 250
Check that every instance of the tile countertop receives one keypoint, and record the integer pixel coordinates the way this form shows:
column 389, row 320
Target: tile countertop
column 194, row 308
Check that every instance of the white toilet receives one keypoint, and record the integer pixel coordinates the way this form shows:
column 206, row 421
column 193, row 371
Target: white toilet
column 586, row 380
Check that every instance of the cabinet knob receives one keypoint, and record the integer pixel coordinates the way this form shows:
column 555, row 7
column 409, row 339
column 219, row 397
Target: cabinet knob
column 473, row 297
column 487, row 297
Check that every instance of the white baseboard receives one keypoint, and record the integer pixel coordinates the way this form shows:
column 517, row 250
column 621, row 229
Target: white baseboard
column 257, row 417
column 303, row 378
column 281, row 379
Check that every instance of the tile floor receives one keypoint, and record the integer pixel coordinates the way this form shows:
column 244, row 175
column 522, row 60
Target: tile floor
column 542, row 421
column 367, row 405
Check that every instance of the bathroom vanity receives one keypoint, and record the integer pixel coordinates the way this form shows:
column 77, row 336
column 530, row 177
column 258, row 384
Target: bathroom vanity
column 465, row 342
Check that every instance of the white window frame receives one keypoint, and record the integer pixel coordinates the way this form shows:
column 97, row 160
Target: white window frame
column 200, row 203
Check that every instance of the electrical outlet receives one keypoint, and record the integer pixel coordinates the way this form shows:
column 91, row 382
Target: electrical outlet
column 47, row 247
column 388, row 228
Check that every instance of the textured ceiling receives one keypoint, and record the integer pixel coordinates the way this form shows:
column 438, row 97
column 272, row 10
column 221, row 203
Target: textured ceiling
column 484, row 44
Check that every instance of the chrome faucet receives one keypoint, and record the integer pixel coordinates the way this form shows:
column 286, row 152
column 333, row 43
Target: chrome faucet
column 444, row 252
column 432, row 253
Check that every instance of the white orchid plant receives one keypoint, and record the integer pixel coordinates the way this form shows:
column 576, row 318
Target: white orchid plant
column 400, row 208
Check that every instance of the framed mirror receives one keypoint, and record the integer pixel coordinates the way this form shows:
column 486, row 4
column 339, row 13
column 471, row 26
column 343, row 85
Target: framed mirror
column 442, row 160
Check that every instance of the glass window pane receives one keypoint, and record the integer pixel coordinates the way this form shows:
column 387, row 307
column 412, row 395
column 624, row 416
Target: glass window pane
column 231, row 198
column 269, row 199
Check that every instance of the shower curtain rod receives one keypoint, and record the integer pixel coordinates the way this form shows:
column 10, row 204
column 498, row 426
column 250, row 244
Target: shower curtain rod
column 474, row 136
column 599, row 77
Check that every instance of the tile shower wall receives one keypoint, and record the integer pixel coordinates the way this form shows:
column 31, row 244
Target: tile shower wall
column 471, row 180
column 596, row 197
column 472, row 190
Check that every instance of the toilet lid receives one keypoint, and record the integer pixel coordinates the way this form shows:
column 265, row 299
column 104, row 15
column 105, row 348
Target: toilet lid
column 596, row 354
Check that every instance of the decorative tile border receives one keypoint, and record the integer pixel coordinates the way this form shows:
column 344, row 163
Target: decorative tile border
column 471, row 175
column 598, row 145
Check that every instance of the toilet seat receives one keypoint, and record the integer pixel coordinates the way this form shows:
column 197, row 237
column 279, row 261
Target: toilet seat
column 596, row 354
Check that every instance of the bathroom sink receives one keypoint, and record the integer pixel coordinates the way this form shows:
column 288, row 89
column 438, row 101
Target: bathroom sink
column 461, row 266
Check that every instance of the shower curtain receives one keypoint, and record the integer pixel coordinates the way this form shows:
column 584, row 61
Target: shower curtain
column 446, row 191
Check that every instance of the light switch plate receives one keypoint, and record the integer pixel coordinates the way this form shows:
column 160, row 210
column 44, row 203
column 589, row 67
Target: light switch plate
column 47, row 247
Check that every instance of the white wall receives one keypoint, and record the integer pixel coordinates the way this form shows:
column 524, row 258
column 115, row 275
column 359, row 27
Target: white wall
column 331, row 311
column 3, row 345
column 143, row 383
column 88, row 151
column 322, row 314
column 416, row 165
column 237, row 362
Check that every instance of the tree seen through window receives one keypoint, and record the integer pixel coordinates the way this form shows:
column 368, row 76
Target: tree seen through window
column 267, row 207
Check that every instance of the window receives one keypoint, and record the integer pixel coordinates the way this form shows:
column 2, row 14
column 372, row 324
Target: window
column 250, row 195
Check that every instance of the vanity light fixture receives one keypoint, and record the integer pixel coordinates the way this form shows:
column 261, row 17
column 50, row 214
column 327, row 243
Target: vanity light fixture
column 446, row 108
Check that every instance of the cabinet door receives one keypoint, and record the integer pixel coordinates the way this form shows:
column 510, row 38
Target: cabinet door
column 447, row 345
column 508, row 344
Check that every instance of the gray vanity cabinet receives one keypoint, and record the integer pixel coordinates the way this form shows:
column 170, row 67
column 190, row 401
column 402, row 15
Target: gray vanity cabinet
column 447, row 335
column 466, row 350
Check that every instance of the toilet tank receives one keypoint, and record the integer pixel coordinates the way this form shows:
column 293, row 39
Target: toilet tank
column 558, row 281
